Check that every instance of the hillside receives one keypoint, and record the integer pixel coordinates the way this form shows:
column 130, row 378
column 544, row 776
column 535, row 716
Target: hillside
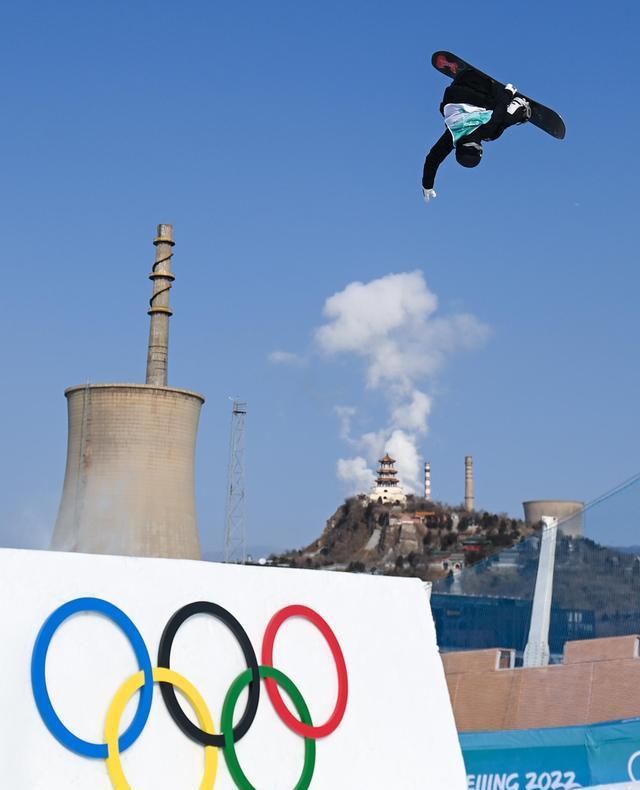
column 432, row 541
column 421, row 538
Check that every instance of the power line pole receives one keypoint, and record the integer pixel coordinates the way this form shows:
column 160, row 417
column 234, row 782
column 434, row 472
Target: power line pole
column 235, row 549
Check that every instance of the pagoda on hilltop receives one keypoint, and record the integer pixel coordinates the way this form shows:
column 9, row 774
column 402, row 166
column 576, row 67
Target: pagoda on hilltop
column 387, row 489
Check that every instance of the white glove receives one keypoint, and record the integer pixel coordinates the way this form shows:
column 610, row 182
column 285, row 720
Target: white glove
column 429, row 194
column 511, row 88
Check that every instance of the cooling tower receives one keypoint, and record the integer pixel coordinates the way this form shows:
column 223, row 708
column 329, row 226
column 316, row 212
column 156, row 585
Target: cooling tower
column 129, row 480
column 567, row 511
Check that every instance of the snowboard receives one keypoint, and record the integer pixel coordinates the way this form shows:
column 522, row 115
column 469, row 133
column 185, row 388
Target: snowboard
column 543, row 117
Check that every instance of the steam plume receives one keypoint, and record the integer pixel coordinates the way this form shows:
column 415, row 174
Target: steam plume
column 390, row 324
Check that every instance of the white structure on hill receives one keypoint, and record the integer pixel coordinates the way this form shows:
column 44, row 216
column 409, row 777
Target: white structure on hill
column 387, row 488
column 536, row 652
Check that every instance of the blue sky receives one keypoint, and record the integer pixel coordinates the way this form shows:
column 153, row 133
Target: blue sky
column 285, row 142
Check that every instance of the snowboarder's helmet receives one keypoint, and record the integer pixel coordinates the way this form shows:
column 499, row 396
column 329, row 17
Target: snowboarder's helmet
column 468, row 154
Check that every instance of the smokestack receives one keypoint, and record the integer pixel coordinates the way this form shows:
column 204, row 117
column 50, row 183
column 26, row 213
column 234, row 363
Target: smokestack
column 160, row 312
column 469, row 499
column 427, row 480
column 129, row 481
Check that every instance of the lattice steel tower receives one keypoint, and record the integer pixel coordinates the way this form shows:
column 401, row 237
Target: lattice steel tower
column 235, row 549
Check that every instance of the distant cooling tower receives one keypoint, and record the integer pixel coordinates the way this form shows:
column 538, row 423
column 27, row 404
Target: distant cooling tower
column 567, row 511
column 129, row 480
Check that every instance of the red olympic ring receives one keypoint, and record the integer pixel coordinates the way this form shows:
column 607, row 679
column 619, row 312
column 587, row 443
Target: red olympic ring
column 306, row 730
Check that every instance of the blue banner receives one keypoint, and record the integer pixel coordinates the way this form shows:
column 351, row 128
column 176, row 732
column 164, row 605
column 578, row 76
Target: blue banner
column 557, row 758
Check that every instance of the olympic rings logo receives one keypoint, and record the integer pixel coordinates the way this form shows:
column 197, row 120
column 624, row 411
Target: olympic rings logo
column 168, row 679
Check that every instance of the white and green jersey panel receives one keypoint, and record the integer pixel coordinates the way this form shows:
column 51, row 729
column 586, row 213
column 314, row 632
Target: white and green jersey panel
column 462, row 119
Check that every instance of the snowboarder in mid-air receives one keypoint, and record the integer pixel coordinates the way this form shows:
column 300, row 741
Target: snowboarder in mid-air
column 475, row 108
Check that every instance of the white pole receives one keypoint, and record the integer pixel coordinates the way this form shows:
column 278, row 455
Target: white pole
column 536, row 653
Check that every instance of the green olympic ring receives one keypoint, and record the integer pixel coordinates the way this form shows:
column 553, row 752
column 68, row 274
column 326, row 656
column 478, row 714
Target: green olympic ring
column 143, row 681
column 226, row 725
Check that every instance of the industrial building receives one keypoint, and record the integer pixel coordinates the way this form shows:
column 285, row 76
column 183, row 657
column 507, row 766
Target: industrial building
column 592, row 684
column 129, row 479
column 486, row 621
column 569, row 513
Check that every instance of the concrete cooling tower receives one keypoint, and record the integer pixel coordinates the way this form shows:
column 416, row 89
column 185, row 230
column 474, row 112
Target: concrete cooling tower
column 129, row 480
column 569, row 513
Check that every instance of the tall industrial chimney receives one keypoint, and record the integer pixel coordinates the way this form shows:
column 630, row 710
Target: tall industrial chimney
column 129, row 481
column 427, row 480
column 159, row 310
column 469, row 499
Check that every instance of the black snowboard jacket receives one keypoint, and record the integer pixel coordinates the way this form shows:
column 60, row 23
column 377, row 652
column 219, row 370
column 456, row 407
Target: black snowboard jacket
column 469, row 88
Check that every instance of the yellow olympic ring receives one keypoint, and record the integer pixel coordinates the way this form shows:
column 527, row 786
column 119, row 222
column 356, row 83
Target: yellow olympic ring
column 119, row 703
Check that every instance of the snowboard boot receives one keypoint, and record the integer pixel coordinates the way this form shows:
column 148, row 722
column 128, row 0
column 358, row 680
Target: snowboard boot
column 519, row 110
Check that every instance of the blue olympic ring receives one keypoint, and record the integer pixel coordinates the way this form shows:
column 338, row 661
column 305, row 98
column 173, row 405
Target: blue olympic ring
column 39, row 683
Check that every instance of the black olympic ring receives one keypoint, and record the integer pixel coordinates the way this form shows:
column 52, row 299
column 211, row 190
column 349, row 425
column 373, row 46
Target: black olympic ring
column 169, row 694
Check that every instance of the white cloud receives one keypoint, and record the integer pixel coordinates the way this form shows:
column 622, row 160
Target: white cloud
column 345, row 415
column 362, row 313
column 390, row 324
column 402, row 447
column 356, row 473
column 285, row 358
column 400, row 444
column 412, row 415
